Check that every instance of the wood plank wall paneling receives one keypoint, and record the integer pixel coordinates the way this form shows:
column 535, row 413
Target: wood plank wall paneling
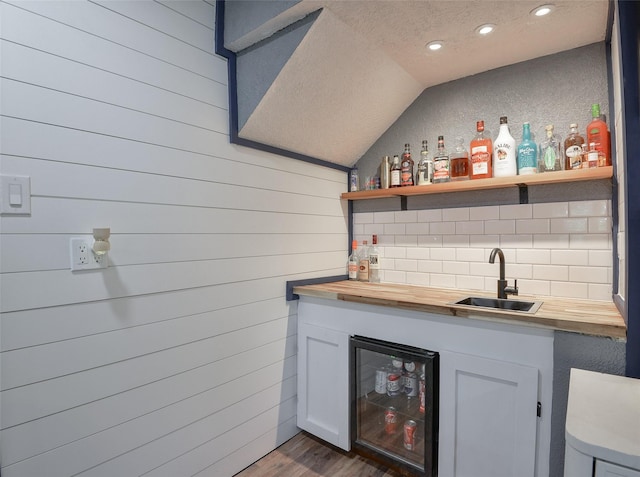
column 180, row 358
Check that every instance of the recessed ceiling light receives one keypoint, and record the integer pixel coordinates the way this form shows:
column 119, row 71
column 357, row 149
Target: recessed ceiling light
column 485, row 29
column 435, row 45
column 542, row 10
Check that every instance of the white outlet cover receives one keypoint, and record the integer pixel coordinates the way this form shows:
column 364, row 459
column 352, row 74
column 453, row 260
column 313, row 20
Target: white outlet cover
column 83, row 257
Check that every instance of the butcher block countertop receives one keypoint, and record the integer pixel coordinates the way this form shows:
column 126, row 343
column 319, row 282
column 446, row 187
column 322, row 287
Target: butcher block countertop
column 589, row 317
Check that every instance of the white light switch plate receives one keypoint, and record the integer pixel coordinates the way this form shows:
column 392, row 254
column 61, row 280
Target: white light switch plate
column 83, row 257
column 15, row 195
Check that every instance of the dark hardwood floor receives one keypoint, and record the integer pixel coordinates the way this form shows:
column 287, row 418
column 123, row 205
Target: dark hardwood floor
column 306, row 456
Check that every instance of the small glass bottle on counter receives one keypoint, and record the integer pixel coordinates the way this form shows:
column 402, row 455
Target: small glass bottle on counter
column 363, row 267
column 406, row 167
column 550, row 157
column 395, row 172
column 441, row 163
column 459, row 160
column 354, row 261
column 425, row 166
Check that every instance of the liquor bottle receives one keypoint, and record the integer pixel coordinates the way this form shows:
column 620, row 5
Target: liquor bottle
column 374, row 261
column 441, row 163
column 550, row 157
column 459, row 161
column 598, row 133
column 395, row 172
column 573, row 149
column 354, row 181
column 384, row 173
column 353, row 261
column 527, row 153
column 363, row 267
column 481, row 154
column 406, row 167
column 425, row 166
column 504, row 156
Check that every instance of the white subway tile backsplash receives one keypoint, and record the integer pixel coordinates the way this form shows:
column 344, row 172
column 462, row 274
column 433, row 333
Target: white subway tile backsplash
column 431, row 215
column 384, row 217
column 442, row 228
column 406, row 216
column 590, row 208
column 472, row 227
column 358, row 229
column 559, row 249
column 501, row 227
column 430, row 240
column 444, row 253
column 551, row 241
column 430, row 266
column 484, row 213
column 550, row 210
column 569, row 225
column 570, row 257
column 520, row 211
column 533, row 256
column 394, row 229
column 418, row 228
column 551, row 272
column 455, row 215
column 532, row 226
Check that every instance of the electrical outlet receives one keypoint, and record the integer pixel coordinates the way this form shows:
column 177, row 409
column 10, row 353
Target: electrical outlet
column 83, row 257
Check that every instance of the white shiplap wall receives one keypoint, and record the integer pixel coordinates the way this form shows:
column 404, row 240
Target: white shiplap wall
column 179, row 359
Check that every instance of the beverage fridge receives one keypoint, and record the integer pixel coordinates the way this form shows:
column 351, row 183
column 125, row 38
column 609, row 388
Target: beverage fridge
column 394, row 404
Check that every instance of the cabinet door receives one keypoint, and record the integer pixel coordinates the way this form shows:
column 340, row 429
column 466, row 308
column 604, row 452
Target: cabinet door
column 488, row 417
column 605, row 469
column 323, row 384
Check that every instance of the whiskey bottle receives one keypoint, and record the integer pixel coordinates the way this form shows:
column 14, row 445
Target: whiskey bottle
column 481, row 154
column 459, row 161
column 550, row 158
column 395, row 172
column 425, row 166
column 573, row 149
column 527, row 153
column 406, row 167
column 504, row 156
column 441, row 163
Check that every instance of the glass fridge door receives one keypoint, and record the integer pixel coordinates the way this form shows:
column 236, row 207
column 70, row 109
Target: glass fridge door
column 394, row 404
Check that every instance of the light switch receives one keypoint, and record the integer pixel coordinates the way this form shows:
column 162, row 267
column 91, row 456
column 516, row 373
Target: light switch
column 15, row 195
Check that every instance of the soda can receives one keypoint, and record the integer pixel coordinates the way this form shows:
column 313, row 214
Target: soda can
column 409, row 435
column 409, row 366
column 390, row 420
column 411, row 384
column 381, row 381
column 422, row 394
column 394, row 384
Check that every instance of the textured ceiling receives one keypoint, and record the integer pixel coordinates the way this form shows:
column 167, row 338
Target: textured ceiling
column 363, row 62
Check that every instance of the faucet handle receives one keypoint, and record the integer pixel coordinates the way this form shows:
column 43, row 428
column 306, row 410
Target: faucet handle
column 512, row 290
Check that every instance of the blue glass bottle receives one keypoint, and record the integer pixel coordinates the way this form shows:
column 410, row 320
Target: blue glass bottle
column 527, row 153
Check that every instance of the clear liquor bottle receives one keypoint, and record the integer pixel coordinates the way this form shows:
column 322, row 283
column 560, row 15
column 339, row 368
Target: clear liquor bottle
column 363, row 267
column 354, row 261
column 406, row 167
column 441, row 163
column 374, row 261
column 550, row 157
column 459, row 160
column 425, row 166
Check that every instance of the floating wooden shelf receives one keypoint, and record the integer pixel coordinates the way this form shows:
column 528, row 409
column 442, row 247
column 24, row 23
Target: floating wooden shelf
column 482, row 184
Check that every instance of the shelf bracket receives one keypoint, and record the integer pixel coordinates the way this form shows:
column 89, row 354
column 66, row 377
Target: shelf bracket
column 403, row 202
column 524, row 193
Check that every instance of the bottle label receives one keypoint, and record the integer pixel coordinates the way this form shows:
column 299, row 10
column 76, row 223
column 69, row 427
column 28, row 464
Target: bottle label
column 574, row 155
column 353, row 270
column 406, row 176
column 363, row 270
column 527, row 157
column 440, row 169
column 395, row 178
column 374, row 262
column 480, row 160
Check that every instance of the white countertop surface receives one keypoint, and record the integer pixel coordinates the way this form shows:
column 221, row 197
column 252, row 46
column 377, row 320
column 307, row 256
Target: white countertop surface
column 603, row 417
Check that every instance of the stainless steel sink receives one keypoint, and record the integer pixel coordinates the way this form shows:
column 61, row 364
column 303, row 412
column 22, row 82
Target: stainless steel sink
column 500, row 304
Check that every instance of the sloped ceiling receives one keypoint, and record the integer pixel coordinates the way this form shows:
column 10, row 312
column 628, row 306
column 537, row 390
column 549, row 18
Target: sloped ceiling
column 363, row 62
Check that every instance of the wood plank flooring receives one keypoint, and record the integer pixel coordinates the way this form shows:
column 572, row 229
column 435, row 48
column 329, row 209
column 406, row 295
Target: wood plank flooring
column 306, row 456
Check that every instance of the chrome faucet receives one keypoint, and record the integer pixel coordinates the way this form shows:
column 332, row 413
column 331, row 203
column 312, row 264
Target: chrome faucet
column 503, row 288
